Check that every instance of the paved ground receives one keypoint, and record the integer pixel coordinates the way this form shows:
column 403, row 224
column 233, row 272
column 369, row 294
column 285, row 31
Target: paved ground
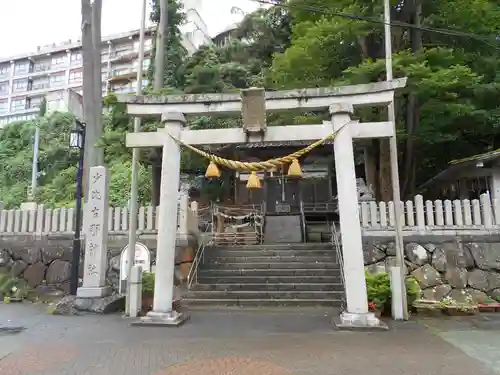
column 278, row 342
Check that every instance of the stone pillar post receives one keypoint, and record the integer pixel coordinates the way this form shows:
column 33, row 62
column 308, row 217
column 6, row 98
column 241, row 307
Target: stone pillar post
column 350, row 228
column 495, row 182
column 163, row 313
column 495, row 192
column 95, row 221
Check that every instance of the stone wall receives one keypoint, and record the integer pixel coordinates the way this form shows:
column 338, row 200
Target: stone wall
column 45, row 262
column 455, row 267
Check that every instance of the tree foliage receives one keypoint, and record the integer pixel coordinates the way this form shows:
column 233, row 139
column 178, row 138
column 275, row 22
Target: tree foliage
column 449, row 109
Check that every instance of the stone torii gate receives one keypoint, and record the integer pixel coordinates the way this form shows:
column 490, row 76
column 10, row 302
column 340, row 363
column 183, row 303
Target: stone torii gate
column 253, row 104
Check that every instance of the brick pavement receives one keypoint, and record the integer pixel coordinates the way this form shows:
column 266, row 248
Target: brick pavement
column 286, row 342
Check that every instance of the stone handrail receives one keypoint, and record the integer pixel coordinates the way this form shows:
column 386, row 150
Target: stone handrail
column 433, row 216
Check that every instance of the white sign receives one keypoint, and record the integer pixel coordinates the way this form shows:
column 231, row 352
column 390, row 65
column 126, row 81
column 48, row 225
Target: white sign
column 142, row 258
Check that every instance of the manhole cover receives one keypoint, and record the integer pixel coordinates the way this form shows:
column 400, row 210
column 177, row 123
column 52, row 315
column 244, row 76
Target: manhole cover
column 225, row 366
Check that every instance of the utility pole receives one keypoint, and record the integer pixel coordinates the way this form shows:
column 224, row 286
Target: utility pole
column 396, row 194
column 36, row 149
column 132, row 238
column 34, row 168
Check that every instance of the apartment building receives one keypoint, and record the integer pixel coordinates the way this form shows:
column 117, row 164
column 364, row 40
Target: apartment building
column 25, row 80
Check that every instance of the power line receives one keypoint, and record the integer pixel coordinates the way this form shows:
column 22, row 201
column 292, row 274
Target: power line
column 450, row 32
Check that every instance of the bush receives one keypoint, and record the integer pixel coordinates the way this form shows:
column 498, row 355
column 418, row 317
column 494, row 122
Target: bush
column 378, row 289
column 148, row 283
column 412, row 290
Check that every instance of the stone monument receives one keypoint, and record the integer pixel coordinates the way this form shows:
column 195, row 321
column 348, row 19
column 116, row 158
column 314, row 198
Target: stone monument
column 95, row 227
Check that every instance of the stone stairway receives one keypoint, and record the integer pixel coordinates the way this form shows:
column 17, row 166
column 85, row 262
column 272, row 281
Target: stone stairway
column 268, row 275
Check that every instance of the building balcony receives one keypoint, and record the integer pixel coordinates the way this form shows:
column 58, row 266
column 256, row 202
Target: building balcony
column 44, row 71
column 123, row 75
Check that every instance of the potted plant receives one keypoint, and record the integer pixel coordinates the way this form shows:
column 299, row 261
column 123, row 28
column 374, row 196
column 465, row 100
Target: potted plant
column 148, row 291
column 373, row 308
column 378, row 289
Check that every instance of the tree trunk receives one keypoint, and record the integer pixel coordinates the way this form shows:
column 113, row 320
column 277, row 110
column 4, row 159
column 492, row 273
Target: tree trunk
column 88, row 91
column 385, row 181
column 97, row 77
column 161, row 40
column 413, row 113
column 158, row 84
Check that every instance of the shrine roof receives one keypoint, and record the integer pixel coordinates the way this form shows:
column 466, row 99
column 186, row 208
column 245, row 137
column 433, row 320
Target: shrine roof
column 459, row 165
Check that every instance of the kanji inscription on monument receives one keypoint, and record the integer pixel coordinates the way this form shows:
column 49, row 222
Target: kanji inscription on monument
column 95, row 227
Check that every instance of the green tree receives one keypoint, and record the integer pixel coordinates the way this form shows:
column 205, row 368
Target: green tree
column 451, row 102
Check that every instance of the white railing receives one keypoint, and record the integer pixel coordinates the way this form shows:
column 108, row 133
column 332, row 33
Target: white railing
column 62, row 220
column 424, row 216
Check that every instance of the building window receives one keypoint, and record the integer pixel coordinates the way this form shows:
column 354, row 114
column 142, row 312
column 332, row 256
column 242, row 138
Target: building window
column 41, row 66
column 18, row 105
column 55, row 105
column 75, row 76
column 20, row 85
column 34, row 103
column 119, row 72
column 4, row 88
column 57, row 80
column 121, row 53
column 4, row 107
column 4, row 70
column 40, row 84
column 22, row 68
column 59, row 60
column 56, row 95
column 76, row 58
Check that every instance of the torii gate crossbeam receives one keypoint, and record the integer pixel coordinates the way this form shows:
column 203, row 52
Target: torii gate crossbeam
column 340, row 103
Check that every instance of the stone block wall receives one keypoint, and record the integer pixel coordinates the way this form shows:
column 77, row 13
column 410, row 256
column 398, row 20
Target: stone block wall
column 44, row 262
column 454, row 267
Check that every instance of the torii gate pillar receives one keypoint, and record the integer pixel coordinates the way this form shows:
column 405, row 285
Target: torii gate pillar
column 163, row 312
column 357, row 314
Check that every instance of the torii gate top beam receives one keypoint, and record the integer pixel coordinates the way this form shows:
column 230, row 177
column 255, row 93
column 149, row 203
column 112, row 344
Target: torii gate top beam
column 379, row 93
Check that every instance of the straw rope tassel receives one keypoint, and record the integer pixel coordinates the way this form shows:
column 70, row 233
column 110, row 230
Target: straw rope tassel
column 261, row 165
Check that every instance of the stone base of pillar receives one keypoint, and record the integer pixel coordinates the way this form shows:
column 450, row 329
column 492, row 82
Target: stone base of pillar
column 97, row 292
column 360, row 322
column 170, row 319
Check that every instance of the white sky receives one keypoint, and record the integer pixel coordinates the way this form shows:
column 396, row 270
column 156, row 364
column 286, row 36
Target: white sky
column 26, row 24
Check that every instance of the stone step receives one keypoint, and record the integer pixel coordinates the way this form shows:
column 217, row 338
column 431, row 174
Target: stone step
column 269, row 272
column 273, row 266
column 269, row 287
column 270, row 279
column 335, row 302
column 210, row 259
column 278, row 246
column 210, row 252
column 264, row 294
